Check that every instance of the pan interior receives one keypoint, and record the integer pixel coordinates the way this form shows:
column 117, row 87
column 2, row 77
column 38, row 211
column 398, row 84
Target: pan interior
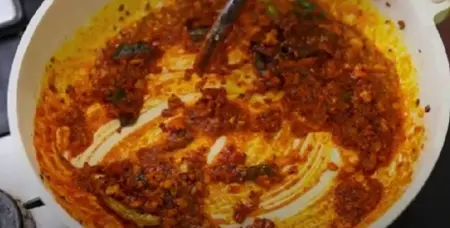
column 303, row 119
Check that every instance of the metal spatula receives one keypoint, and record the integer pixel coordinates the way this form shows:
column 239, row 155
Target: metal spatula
column 218, row 33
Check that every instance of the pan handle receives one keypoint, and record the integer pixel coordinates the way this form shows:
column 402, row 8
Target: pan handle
column 33, row 203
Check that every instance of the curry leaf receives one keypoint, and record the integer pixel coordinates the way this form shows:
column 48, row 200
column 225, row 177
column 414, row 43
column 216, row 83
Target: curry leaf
column 131, row 49
column 347, row 96
column 306, row 5
column 309, row 9
column 117, row 96
column 256, row 171
column 127, row 119
column 271, row 9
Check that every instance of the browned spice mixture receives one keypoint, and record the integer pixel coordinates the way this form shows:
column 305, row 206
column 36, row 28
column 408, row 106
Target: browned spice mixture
column 230, row 168
column 331, row 82
column 354, row 199
column 262, row 223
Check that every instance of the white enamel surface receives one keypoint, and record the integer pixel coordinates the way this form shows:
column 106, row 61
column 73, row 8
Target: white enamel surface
column 107, row 136
column 434, row 81
column 313, row 163
column 438, row 6
column 305, row 200
column 57, row 19
column 215, row 149
column 44, row 34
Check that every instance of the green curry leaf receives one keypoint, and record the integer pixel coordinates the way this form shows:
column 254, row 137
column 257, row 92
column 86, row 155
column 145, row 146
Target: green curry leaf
column 308, row 8
column 127, row 119
column 117, row 96
column 271, row 9
column 306, row 5
column 131, row 49
column 256, row 171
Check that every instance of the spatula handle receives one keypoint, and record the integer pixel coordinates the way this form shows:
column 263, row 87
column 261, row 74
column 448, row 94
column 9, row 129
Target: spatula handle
column 218, row 33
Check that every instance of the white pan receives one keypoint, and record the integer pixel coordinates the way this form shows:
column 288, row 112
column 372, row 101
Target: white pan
column 57, row 19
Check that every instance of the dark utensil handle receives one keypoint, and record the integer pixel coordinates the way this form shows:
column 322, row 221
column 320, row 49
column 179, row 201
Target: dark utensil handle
column 218, row 33
column 228, row 15
column 33, row 203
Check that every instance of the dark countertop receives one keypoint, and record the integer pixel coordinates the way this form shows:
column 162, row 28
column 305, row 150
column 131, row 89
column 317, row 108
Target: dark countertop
column 8, row 47
column 429, row 209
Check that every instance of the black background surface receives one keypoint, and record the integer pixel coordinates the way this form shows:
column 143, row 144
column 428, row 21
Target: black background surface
column 430, row 208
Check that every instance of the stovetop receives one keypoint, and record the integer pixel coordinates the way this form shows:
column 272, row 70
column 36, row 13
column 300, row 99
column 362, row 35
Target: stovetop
column 17, row 179
column 429, row 209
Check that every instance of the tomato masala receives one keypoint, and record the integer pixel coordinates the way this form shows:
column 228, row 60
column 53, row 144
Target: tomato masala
column 328, row 81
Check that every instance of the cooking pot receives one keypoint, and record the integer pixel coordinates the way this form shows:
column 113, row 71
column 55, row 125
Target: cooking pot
column 56, row 20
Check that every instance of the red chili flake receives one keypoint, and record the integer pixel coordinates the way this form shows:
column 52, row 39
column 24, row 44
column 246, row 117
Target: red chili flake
column 234, row 188
column 332, row 167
